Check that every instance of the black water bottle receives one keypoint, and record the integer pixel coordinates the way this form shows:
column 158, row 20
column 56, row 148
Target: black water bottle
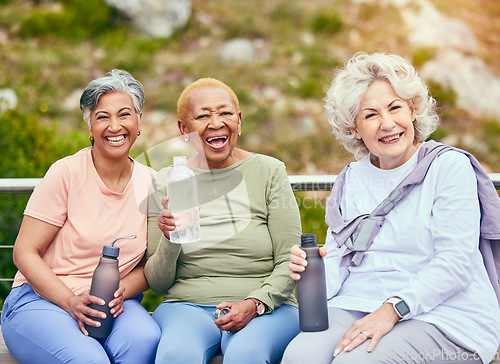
column 105, row 282
column 311, row 288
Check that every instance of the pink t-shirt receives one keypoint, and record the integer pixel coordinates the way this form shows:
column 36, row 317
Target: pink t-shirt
column 73, row 197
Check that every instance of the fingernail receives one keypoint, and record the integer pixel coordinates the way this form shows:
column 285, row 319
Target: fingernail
column 303, row 255
column 369, row 350
column 337, row 351
column 304, row 263
column 347, row 348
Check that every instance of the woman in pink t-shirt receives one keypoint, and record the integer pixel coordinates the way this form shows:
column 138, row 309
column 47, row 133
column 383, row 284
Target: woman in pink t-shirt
column 85, row 201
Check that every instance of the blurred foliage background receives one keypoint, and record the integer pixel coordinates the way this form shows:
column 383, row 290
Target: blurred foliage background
column 50, row 50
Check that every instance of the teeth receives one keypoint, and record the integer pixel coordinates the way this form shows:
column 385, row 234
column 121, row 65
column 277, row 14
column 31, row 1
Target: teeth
column 116, row 139
column 214, row 138
column 388, row 139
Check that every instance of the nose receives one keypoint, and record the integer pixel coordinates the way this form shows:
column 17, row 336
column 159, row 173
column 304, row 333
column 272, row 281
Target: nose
column 114, row 124
column 216, row 121
column 386, row 122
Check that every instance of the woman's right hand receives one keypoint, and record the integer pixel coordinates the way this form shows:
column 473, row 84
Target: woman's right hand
column 79, row 309
column 166, row 221
column 298, row 261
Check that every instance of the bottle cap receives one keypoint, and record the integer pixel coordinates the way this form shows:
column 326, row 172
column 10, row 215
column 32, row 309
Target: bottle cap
column 308, row 240
column 110, row 251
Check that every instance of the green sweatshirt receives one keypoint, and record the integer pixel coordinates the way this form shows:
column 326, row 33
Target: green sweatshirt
column 249, row 221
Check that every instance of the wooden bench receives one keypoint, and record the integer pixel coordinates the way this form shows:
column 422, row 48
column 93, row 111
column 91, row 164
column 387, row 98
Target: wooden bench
column 7, row 358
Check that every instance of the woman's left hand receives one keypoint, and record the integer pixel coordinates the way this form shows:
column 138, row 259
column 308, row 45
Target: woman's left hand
column 116, row 304
column 371, row 327
column 242, row 312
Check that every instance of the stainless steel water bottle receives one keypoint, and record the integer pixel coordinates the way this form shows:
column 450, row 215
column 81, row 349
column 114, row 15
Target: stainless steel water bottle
column 311, row 288
column 105, row 282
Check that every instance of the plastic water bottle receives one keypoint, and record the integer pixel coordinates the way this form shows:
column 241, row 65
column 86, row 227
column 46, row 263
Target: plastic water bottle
column 182, row 192
column 105, row 282
column 311, row 288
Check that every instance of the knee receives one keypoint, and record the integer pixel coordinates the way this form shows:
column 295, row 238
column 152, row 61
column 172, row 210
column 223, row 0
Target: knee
column 294, row 355
column 248, row 354
column 90, row 357
column 148, row 333
column 139, row 344
column 179, row 355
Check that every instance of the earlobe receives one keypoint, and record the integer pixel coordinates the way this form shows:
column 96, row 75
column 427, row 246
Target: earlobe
column 239, row 123
column 181, row 126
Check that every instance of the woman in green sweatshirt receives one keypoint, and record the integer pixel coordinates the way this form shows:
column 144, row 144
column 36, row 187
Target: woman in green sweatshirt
column 249, row 221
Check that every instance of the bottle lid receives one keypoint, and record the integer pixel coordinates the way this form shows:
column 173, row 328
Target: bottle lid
column 110, row 251
column 308, row 240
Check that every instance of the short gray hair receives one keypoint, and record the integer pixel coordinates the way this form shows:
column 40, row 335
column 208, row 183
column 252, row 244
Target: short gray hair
column 343, row 98
column 114, row 80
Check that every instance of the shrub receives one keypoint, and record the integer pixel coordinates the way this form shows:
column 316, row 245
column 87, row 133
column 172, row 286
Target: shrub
column 327, row 22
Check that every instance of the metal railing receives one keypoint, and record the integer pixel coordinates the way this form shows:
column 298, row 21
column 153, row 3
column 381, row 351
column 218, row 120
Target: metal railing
column 298, row 183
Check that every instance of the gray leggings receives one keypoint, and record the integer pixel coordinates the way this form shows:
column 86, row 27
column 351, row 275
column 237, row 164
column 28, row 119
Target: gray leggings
column 410, row 341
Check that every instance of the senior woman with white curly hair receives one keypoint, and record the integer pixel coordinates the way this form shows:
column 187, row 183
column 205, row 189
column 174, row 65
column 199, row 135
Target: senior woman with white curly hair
column 406, row 280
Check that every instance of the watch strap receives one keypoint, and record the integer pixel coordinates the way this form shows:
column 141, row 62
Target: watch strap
column 394, row 301
column 260, row 307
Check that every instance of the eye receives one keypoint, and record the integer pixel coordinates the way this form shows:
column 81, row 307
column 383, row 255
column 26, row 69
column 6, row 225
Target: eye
column 125, row 114
column 368, row 116
column 395, row 107
column 102, row 117
column 203, row 116
column 226, row 113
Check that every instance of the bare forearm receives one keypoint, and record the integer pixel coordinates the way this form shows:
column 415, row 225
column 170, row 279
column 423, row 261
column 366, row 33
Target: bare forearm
column 43, row 280
column 135, row 282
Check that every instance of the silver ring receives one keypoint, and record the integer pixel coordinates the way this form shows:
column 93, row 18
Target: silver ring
column 364, row 333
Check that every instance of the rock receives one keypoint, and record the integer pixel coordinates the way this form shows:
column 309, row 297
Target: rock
column 429, row 28
column 476, row 87
column 237, row 50
column 155, row 18
column 8, row 99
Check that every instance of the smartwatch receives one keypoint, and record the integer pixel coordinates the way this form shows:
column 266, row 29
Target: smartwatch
column 400, row 307
column 261, row 308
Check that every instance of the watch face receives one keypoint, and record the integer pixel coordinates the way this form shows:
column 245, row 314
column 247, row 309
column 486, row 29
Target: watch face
column 402, row 308
column 260, row 309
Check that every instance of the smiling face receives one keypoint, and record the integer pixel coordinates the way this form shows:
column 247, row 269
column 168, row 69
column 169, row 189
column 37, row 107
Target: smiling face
column 385, row 124
column 212, row 114
column 114, row 125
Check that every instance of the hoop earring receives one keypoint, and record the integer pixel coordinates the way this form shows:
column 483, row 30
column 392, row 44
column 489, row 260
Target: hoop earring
column 91, row 141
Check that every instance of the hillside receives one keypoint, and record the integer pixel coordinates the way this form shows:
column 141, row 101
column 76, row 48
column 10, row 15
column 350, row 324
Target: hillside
column 298, row 45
